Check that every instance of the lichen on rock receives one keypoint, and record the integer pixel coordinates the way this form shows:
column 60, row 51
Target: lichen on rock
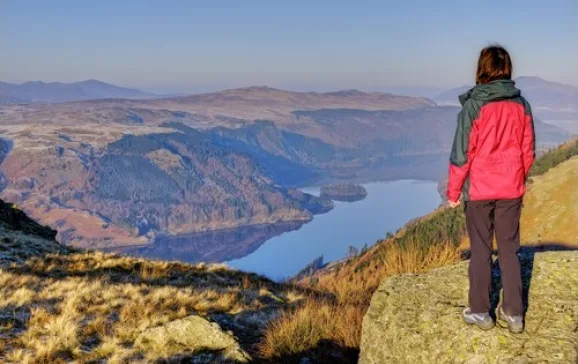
column 417, row 318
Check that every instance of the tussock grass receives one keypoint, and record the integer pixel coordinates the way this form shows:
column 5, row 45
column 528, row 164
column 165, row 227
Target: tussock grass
column 320, row 323
column 86, row 307
column 310, row 326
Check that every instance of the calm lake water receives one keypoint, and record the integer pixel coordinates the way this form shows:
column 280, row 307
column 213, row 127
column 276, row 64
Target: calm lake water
column 387, row 207
column 280, row 251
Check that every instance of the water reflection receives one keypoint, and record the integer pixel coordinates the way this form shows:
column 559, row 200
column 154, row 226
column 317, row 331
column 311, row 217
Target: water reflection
column 278, row 251
column 212, row 246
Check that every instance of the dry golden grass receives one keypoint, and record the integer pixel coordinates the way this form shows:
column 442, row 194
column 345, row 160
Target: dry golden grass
column 551, row 207
column 337, row 322
column 93, row 306
column 315, row 323
column 356, row 281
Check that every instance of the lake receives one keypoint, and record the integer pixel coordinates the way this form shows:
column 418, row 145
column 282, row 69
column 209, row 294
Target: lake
column 387, row 207
column 280, row 251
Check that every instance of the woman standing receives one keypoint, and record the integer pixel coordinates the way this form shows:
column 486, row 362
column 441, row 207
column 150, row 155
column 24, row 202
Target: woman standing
column 493, row 150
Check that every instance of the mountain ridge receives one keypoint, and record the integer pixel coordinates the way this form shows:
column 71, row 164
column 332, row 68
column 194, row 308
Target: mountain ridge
column 56, row 92
column 550, row 100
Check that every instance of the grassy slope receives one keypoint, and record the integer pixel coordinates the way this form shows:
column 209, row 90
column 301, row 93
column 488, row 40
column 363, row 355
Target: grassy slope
column 551, row 207
column 60, row 305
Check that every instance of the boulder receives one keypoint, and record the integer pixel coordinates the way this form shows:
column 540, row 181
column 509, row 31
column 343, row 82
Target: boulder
column 417, row 318
column 193, row 335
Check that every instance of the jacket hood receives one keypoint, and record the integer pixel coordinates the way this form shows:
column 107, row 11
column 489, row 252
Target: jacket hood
column 495, row 90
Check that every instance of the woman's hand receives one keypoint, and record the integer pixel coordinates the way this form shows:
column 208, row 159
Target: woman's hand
column 454, row 204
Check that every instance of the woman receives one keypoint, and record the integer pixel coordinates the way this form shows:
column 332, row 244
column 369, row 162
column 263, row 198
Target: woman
column 492, row 153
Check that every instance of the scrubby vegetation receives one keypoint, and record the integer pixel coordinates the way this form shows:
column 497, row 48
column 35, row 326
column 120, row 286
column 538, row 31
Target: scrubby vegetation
column 352, row 283
column 554, row 157
column 93, row 307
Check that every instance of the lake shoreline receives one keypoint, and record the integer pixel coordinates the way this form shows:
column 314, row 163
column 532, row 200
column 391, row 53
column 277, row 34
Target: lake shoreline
column 281, row 249
column 420, row 196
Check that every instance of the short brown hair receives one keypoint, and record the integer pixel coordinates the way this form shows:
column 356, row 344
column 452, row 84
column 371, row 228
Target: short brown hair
column 494, row 64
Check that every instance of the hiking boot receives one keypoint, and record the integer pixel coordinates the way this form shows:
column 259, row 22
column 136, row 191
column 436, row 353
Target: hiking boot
column 481, row 320
column 515, row 323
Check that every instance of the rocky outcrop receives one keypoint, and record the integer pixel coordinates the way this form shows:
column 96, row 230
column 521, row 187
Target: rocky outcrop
column 195, row 335
column 22, row 238
column 13, row 218
column 416, row 318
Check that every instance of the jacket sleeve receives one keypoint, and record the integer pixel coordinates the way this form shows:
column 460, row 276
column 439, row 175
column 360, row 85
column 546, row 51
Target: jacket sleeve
column 463, row 150
column 528, row 141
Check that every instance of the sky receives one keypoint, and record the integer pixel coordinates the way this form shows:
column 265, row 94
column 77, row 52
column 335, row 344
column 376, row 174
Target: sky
column 188, row 46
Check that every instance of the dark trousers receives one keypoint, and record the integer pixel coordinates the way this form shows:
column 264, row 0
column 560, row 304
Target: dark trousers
column 483, row 219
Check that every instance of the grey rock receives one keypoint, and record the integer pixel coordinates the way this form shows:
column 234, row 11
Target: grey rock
column 416, row 318
column 196, row 335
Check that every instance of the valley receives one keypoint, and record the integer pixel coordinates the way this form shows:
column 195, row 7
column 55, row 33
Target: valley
column 115, row 173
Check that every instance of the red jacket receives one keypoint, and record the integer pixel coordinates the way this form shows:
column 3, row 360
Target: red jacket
column 494, row 145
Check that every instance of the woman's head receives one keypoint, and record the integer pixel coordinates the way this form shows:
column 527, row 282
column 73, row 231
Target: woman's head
column 494, row 64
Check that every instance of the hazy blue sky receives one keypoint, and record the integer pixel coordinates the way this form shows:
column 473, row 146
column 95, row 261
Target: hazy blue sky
column 172, row 45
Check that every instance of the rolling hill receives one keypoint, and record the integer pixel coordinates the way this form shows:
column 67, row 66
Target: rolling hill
column 543, row 94
column 48, row 92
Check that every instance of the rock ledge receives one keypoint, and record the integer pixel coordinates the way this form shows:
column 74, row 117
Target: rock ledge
column 416, row 318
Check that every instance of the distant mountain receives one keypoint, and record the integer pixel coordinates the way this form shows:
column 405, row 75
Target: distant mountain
column 544, row 95
column 42, row 92
column 450, row 98
column 260, row 102
column 553, row 102
column 547, row 95
column 11, row 100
